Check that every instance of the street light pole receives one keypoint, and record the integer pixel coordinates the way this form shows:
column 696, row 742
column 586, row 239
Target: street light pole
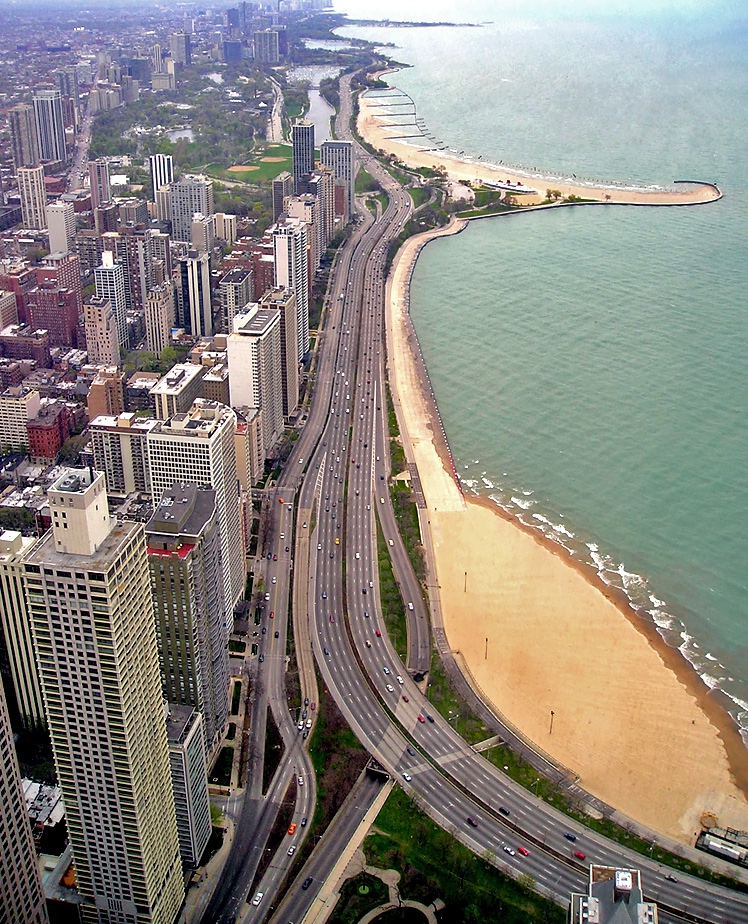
column 550, row 731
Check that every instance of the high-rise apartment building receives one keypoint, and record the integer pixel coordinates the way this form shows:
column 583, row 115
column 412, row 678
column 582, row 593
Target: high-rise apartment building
column 321, row 184
column 33, row 197
column 284, row 302
column 159, row 317
column 120, row 450
column 102, row 338
column 614, row 896
column 18, row 405
column 266, row 47
column 176, row 391
column 225, row 227
column 98, row 175
column 110, row 284
column 189, row 779
column 61, row 225
column 22, row 687
column 306, row 208
column 282, row 189
column 202, row 233
column 50, row 125
column 198, row 447
column 184, row 557
column 180, row 44
column 190, row 194
column 24, row 144
column 237, row 291
column 302, row 140
column 106, row 396
column 197, row 309
column 256, row 377
column 338, row 155
column 250, row 448
column 21, row 897
column 292, row 272
column 89, row 595
column 162, row 172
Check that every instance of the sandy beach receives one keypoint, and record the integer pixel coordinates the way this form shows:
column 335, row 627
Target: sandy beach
column 539, row 633
column 372, row 125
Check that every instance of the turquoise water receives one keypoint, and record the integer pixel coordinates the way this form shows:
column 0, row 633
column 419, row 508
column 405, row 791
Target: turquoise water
column 590, row 363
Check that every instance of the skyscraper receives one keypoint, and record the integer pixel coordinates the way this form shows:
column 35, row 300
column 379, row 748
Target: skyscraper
column 282, row 188
column 198, row 447
column 236, row 292
column 267, row 50
column 24, row 144
column 101, row 190
column 292, row 272
column 33, row 197
column 89, row 595
column 162, row 172
column 284, row 302
column 21, row 897
column 61, row 224
column 197, row 311
column 50, row 127
column 180, row 44
column 102, row 338
column 190, row 194
column 255, row 373
column 339, row 156
column 184, row 558
column 110, row 284
column 184, row 727
column 159, row 317
column 302, row 140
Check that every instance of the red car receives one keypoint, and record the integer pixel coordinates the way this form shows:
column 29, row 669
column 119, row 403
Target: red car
column 421, row 719
column 580, row 855
column 272, row 614
column 377, row 633
column 524, row 851
column 406, row 698
column 332, row 618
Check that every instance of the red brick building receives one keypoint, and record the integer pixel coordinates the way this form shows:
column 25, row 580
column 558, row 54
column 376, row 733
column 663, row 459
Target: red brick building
column 48, row 431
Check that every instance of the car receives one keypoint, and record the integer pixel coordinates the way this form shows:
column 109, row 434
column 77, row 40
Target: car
column 303, row 714
column 371, row 583
column 303, row 822
column 291, row 850
column 337, row 540
column 306, row 734
column 430, row 718
column 277, row 633
column 524, row 851
column 257, row 899
column 367, row 643
column 270, row 555
column 275, row 580
column 324, row 595
column 283, row 535
column 332, row 618
column 472, row 822
column 303, row 525
column 308, row 723
column 319, row 546
column 264, row 629
column 411, row 751
column 504, row 810
column 670, row 878
column 390, row 688
column 381, row 500
column 400, row 680
column 275, row 558
column 267, row 597
column 261, row 658
column 580, row 855
column 407, row 777
column 272, row 614
column 569, row 836
column 292, row 828
column 386, row 670
column 313, row 706
column 326, row 651
column 508, row 849
column 366, row 614
column 300, row 726
column 410, row 607
column 332, row 555
column 300, row 780
column 288, row 549
column 406, row 697
column 306, row 700
column 381, row 477
column 377, row 633
column 363, row 590
column 421, row 719
column 307, row 882
column 358, row 555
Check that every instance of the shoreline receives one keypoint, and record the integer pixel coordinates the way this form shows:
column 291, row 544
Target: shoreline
column 712, row 741
column 467, row 170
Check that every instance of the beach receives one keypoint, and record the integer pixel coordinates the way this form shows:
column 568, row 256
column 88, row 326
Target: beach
column 555, row 651
column 372, row 125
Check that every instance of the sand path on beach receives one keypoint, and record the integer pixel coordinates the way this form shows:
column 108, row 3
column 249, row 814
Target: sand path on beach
column 630, row 717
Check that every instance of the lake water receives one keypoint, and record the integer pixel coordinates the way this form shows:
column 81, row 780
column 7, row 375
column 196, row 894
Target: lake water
column 590, row 363
column 320, row 111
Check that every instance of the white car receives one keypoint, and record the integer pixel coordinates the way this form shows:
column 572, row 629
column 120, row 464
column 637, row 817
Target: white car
column 410, row 606
column 291, row 850
column 308, row 723
column 390, row 688
column 386, row 670
column 358, row 555
column 407, row 777
column 400, row 680
column 275, row 580
column 257, row 899
column 300, row 780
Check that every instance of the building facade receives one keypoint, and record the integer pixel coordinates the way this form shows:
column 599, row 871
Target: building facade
column 110, row 284
column 292, row 272
column 24, row 144
column 50, row 125
column 302, row 140
column 102, row 336
column 176, row 391
column 99, row 670
column 159, row 317
column 338, row 155
column 33, row 197
column 120, row 450
column 190, row 194
column 284, row 302
column 184, row 728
